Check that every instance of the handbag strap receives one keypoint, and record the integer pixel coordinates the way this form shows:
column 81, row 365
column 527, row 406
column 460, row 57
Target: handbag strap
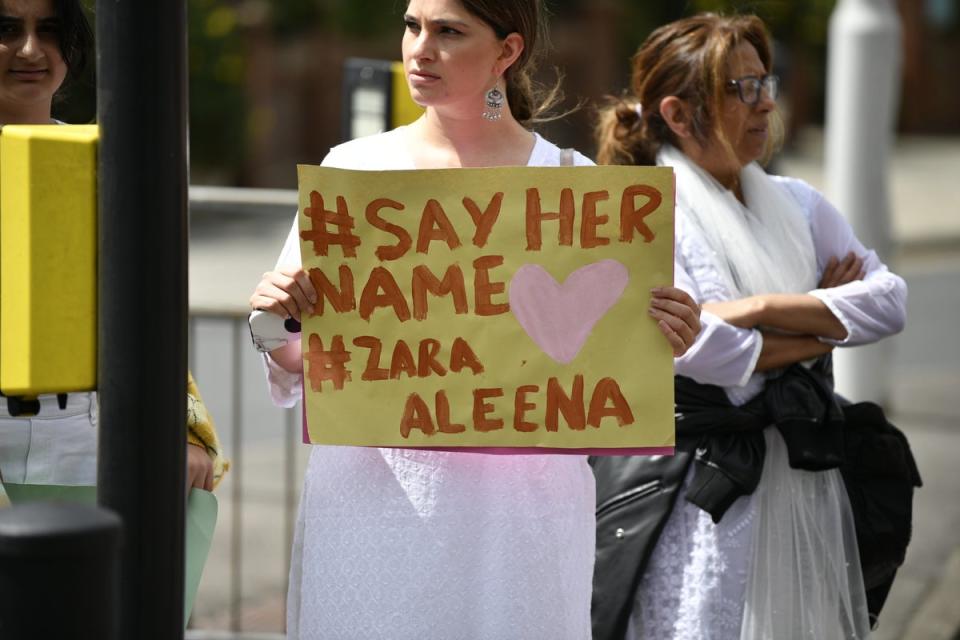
column 566, row 157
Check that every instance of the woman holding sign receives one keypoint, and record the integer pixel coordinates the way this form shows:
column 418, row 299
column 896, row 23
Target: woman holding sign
column 761, row 543
column 404, row 543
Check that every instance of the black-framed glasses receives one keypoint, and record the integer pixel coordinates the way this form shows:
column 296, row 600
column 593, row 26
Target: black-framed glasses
column 750, row 87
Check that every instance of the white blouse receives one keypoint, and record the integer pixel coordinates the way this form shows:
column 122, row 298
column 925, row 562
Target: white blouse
column 725, row 355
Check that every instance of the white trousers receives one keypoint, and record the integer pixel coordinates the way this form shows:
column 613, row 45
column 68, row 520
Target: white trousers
column 56, row 446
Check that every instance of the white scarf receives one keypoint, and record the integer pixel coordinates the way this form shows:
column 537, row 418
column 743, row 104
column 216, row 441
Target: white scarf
column 763, row 247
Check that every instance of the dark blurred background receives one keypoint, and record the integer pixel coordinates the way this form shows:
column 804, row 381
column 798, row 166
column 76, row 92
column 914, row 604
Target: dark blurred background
column 265, row 77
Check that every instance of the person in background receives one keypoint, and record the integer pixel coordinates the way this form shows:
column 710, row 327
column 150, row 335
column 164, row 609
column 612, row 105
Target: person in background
column 511, row 537
column 43, row 43
column 762, row 543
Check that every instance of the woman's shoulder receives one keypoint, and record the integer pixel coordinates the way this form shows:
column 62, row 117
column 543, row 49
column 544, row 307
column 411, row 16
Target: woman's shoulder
column 547, row 154
column 801, row 190
column 385, row 150
column 821, row 212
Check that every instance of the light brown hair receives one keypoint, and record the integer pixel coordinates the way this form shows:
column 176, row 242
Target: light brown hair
column 687, row 59
column 529, row 102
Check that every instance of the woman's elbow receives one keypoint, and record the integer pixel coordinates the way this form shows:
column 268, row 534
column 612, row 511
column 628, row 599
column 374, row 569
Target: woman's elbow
column 898, row 312
column 898, row 323
column 889, row 307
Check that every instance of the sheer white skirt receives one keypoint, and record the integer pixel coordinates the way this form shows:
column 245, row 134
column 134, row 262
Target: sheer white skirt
column 782, row 563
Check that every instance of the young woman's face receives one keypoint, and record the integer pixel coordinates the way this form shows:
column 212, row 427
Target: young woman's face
column 31, row 65
column 449, row 55
column 745, row 126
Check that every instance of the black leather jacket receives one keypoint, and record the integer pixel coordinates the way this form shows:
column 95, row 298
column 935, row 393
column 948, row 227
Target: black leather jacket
column 724, row 443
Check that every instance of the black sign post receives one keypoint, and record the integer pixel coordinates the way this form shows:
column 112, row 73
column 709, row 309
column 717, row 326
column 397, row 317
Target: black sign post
column 142, row 335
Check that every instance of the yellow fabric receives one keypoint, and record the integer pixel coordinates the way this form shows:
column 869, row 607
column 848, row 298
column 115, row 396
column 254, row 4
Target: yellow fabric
column 202, row 432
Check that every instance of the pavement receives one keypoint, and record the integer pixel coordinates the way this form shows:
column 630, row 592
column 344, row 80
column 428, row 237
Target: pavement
column 229, row 253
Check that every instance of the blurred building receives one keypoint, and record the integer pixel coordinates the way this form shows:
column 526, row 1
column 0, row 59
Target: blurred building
column 931, row 52
column 288, row 80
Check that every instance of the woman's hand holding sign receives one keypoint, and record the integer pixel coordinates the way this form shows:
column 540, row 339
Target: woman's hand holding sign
column 677, row 316
column 286, row 292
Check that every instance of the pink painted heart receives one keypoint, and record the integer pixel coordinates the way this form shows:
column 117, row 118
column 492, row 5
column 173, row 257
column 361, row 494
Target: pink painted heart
column 558, row 317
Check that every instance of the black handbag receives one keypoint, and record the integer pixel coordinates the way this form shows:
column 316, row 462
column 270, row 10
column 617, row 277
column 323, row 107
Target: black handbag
column 635, row 495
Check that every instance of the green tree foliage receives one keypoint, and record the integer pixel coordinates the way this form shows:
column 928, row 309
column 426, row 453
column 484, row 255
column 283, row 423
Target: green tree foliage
column 220, row 35
column 795, row 21
column 217, row 68
column 349, row 18
column 219, row 31
column 363, row 18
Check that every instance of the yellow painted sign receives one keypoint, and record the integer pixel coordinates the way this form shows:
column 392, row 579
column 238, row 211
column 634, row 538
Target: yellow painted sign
column 48, row 265
column 493, row 308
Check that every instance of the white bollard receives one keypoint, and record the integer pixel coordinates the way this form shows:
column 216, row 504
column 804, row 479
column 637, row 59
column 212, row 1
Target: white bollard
column 863, row 83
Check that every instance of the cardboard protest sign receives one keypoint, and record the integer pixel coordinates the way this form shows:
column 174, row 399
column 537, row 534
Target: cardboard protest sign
column 496, row 308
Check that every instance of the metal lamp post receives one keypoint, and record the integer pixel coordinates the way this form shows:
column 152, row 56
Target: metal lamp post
column 142, row 336
column 863, row 82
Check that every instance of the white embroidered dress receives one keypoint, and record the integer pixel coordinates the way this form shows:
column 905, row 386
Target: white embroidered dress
column 723, row 581
column 397, row 543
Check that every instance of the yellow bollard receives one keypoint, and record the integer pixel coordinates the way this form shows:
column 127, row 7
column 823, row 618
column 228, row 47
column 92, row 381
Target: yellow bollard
column 48, row 259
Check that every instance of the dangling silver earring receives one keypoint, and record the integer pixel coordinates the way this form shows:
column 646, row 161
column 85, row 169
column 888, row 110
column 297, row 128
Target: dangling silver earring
column 494, row 104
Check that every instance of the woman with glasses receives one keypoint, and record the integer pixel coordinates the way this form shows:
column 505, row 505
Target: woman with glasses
column 755, row 538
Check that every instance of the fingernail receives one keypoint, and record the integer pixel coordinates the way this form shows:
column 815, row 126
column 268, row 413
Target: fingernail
column 656, row 290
